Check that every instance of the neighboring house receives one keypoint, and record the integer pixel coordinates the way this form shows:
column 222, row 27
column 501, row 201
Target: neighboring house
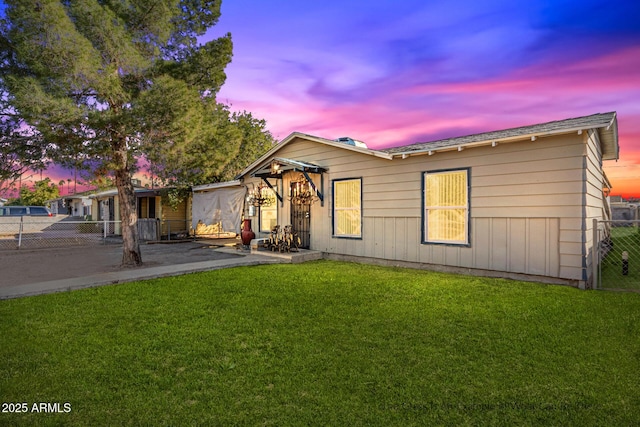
column 80, row 204
column 156, row 219
column 516, row 203
column 77, row 205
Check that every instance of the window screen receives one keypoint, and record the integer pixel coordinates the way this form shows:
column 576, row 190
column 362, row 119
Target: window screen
column 446, row 204
column 347, row 208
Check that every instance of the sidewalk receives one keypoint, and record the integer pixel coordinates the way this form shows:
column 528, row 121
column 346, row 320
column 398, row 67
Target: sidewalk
column 135, row 274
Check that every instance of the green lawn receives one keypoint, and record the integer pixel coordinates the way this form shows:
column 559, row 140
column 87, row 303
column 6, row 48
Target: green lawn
column 323, row 343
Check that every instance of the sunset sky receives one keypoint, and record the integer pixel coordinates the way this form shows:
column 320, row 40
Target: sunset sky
column 392, row 73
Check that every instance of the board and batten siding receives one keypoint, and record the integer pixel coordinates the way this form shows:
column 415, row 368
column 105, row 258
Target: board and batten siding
column 526, row 205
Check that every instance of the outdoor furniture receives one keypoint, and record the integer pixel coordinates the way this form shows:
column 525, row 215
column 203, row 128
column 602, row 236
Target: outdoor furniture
column 283, row 240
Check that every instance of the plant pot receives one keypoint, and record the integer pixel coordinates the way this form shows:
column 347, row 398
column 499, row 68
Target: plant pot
column 247, row 235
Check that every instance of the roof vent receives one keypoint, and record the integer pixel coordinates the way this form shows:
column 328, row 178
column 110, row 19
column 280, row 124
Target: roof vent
column 350, row 141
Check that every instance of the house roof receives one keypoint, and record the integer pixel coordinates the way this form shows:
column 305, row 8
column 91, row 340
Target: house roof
column 81, row 196
column 215, row 185
column 114, row 192
column 269, row 154
column 606, row 123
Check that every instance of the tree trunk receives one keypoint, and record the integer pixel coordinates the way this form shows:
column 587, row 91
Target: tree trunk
column 128, row 215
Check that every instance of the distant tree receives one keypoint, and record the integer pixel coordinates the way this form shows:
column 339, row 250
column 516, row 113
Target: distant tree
column 89, row 77
column 255, row 141
column 42, row 192
column 20, row 150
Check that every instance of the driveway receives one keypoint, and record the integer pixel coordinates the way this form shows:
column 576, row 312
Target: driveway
column 20, row 267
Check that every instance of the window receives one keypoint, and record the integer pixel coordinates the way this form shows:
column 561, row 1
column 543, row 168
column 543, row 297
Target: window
column 269, row 214
column 446, row 207
column 347, row 208
column 146, row 207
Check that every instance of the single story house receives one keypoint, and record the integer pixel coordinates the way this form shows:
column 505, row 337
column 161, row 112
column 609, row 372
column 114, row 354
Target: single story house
column 77, row 205
column 515, row 203
column 156, row 219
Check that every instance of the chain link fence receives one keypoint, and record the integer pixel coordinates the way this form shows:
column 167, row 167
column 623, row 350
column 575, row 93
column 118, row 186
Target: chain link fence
column 155, row 229
column 51, row 232
column 34, row 232
column 618, row 254
column 175, row 229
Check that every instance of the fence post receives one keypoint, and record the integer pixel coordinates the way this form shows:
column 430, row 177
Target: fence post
column 595, row 254
column 20, row 232
column 104, row 231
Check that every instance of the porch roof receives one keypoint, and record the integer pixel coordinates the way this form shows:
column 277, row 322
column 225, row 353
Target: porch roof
column 139, row 192
column 278, row 165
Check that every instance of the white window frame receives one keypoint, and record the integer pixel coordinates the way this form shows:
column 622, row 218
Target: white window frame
column 336, row 210
column 466, row 207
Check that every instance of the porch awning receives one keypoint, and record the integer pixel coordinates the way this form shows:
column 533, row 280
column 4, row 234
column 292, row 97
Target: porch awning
column 278, row 165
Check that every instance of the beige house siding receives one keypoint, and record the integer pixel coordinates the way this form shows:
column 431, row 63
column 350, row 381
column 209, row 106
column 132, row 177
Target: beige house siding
column 594, row 197
column 526, row 205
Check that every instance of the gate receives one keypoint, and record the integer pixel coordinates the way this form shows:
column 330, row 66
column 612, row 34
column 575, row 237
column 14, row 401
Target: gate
column 301, row 222
column 617, row 254
column 148, row 229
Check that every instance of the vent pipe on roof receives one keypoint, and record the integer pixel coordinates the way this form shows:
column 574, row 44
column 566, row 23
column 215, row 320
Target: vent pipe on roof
column 350, row 141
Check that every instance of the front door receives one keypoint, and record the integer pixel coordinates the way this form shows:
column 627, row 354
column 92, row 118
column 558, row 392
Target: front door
column 301, row 222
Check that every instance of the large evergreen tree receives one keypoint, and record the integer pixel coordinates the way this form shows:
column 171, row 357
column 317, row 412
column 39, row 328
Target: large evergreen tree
column 106, row 79
column 223, row 146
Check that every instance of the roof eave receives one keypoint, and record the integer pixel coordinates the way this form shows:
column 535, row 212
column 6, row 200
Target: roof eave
column 609, row 140
column 216, row 185
column 495, row 141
